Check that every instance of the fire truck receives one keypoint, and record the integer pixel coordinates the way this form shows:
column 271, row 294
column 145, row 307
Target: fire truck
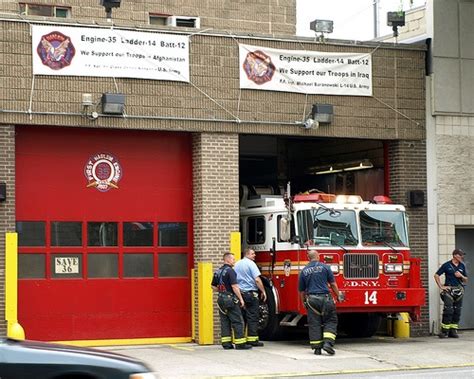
column 365, row 243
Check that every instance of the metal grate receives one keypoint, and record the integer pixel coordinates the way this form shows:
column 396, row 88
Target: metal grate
column 361, row 266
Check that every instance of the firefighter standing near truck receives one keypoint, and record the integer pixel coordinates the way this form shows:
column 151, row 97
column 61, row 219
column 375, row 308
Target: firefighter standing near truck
column 229, row 301
column 248, row 278
column 452, row 293
column 314, row 282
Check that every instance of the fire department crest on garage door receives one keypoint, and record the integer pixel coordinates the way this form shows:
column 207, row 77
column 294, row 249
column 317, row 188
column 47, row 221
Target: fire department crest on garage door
column 103, row 171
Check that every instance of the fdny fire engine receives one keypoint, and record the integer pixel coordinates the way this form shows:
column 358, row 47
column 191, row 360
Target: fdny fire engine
column 364, row 243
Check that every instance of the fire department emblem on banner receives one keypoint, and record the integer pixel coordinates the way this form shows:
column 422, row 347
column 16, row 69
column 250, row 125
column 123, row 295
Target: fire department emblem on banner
column 103, row 171
column 56, row 50
column 258, row 67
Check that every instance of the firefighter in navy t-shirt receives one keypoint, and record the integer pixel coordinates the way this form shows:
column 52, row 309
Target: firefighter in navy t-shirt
column 229, row 301
column 314, row 293
column 452, row 292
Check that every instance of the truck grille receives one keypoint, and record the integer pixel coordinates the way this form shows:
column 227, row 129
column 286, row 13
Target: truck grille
column 361, row 266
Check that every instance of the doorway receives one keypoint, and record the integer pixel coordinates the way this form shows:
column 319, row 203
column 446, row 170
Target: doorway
column 465, row 242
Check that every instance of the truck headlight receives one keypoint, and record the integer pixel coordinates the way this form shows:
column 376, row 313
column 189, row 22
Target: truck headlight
column 334, row 268
column 393, row 268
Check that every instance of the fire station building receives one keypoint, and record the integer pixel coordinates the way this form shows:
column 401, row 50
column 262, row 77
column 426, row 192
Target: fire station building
column 123, row 144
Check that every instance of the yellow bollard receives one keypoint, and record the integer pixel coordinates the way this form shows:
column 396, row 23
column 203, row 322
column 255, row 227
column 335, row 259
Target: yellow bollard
column 205, row 304
column 14, row 329
column 235, row 245
column 401, row 326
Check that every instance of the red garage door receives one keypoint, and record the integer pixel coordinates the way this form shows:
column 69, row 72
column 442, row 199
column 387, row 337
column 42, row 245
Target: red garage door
column 105, row 233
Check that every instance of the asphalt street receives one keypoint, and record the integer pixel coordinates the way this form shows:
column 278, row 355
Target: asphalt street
column 422, row 357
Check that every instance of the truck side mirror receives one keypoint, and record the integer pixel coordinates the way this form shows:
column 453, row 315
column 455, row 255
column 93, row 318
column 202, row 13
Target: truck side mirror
column 284, row 226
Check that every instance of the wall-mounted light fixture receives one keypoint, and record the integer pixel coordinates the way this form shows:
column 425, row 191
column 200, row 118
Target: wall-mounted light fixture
column 320, row 114
column 395, row 19
column 113, row 103
column 321, row 26
column 108, row 5
column 3, row 191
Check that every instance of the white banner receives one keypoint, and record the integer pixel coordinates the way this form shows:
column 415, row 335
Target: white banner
column 306, row 72
column 116, row 53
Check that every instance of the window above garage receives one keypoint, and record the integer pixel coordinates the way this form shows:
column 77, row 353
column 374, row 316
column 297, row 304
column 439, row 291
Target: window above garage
column 31, row 9
column 177, row 21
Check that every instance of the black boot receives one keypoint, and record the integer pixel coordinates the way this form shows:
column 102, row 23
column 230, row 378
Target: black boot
column 242, row 346
column 255, row 343
column 443, row 333
column 329, row 349
column 227, row 346
column 453, row 333
column 317, row 351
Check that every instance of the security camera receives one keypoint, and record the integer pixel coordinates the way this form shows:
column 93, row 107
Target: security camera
column 310, row 123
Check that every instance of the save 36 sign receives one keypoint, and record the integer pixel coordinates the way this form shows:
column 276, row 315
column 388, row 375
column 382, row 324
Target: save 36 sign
column 66, row 265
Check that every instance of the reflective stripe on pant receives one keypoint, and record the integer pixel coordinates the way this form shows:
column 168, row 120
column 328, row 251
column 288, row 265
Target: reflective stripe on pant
column 322, row 320
column 231, row 318
column 451, row 311
column 250, row 313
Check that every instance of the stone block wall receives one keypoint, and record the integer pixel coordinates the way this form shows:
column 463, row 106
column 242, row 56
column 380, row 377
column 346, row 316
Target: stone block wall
column 455, row 185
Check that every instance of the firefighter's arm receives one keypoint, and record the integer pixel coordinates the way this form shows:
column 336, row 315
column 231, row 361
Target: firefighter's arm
column 236, row 289
column 438, row 282
column 303, row 298
column 263, row 294
column 335, row 289
column 459, row 275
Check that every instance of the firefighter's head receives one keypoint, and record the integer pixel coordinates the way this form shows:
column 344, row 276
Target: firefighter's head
column 229, row 259
column 458, row 254
column 313, row 255
column 250, row 254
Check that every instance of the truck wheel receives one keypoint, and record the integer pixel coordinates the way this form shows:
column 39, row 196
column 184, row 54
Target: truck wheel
column 268, row 322
column 360, row 325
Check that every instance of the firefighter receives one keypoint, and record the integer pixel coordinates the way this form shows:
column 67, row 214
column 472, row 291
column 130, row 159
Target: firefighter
column 229, row 302
column 248, row 278
column 452, row 293
column 315, row 295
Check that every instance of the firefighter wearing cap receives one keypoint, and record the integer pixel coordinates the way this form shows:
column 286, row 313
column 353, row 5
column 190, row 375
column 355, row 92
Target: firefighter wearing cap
column 314, row 282
column 452, row 293
column 229, row 302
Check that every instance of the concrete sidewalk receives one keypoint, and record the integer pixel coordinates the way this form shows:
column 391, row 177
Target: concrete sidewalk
column 295, row 358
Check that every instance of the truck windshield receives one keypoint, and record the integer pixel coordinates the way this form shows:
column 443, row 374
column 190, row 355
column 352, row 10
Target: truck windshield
column 327, row 227
column 383, row 228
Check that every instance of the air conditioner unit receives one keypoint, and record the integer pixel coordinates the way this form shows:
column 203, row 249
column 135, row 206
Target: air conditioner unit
column 184, row 21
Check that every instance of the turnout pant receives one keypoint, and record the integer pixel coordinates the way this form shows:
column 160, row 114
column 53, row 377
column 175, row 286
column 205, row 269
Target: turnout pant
column 322, row 320
column 452, row 300
column 251, row 313
column 231, row 318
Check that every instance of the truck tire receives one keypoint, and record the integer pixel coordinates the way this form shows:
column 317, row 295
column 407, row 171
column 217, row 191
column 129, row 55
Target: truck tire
column 269, row 322
column 359, row 325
